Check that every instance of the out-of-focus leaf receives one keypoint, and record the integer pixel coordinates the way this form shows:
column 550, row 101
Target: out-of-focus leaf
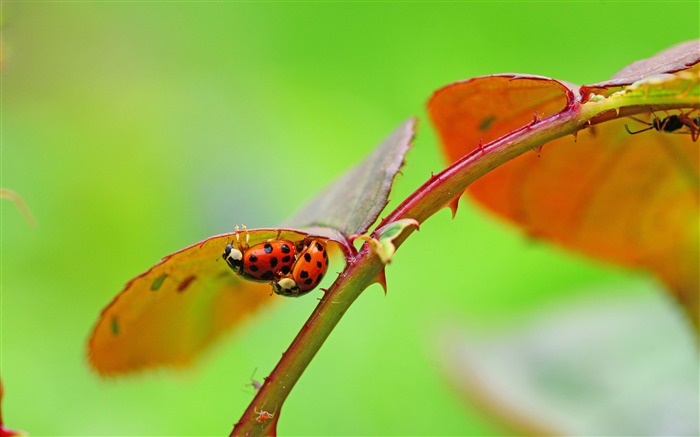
column 628, row 199
column 353, row 202
column 610, row 195
column 173, row 311
column 594, row 366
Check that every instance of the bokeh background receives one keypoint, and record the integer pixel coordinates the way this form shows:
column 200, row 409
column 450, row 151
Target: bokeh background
column 133, row 129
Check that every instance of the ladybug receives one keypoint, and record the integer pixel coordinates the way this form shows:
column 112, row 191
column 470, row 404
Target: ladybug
column 307, row 271
column 262, row 262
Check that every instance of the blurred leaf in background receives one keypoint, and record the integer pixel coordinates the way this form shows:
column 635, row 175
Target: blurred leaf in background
column 604, row 364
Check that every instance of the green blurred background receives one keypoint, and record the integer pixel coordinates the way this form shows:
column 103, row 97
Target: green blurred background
column 133, row 129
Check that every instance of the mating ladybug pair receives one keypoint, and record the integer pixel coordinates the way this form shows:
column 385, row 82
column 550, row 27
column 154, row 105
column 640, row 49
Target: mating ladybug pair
column 293, row 269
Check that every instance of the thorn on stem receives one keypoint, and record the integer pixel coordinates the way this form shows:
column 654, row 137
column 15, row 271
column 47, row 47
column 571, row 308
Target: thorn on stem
column 454, row 205
column 381, row 280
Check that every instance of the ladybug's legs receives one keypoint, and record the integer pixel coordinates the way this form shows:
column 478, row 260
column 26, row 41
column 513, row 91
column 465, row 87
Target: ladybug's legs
column 238, row 238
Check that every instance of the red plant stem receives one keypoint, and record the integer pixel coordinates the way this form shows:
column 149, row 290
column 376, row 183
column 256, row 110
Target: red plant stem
column 363, row 269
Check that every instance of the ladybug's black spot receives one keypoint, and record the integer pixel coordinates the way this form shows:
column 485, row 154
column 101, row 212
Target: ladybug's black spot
column 253, row 268
column 308, row 281
column 307, row 257
column 319, row 264
column 304, row 274
column 273, row 262
column 325, row 255
column 267, row 275
column 319, row 278
column 286, row 259
column 268, row 248
column 319, row 247
column 253, row 258
column 285, row 248
column 285, row 270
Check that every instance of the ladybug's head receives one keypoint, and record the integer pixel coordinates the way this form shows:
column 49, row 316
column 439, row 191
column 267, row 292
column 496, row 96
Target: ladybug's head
column 234, row 258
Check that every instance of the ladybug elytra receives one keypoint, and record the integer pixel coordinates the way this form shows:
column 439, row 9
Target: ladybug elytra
column 262, row 262
column 306, row 273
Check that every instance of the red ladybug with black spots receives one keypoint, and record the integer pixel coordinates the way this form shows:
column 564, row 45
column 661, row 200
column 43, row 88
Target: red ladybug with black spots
column 263, row 262
column 306, row 273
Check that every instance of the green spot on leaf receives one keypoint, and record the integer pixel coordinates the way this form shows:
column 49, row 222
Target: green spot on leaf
column 115, row 326
column 158, row 282
column 486, row 123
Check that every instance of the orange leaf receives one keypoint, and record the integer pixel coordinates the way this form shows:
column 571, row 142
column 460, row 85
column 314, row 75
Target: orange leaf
column 170, row 313
column 483, row 109
column 610, row 195
column 627, row 199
